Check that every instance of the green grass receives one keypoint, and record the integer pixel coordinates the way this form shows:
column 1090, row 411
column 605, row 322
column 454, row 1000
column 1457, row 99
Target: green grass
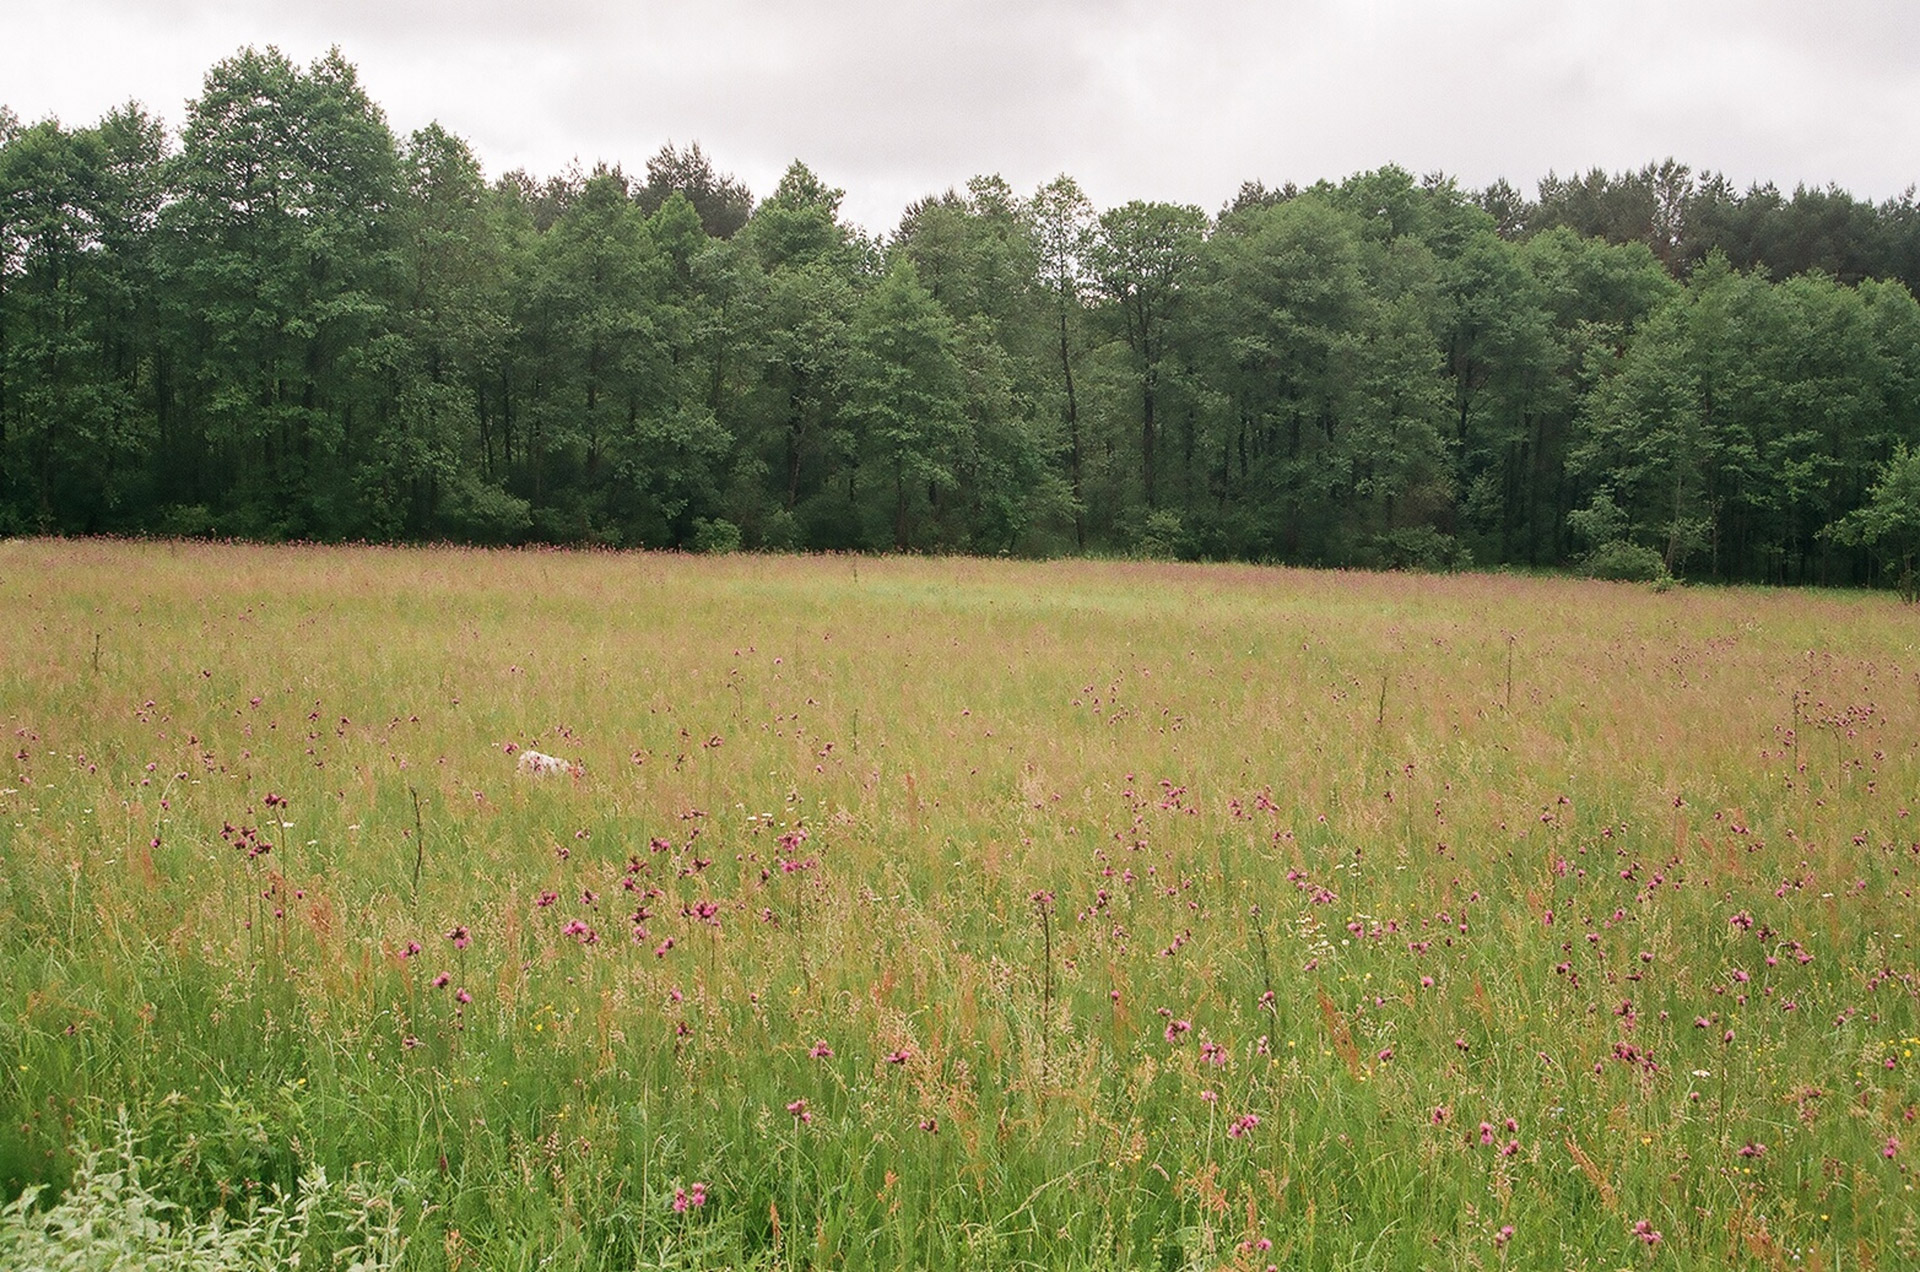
column 842, row 789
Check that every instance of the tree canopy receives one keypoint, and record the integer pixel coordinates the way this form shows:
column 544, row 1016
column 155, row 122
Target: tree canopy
column 281, row 320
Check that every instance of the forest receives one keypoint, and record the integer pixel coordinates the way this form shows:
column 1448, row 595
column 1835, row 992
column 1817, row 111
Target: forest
column 280, row 321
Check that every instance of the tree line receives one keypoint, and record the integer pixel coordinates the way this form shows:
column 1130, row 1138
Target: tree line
column 283, row 322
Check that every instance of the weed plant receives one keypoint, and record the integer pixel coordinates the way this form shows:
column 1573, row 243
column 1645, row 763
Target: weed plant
column 957, row 914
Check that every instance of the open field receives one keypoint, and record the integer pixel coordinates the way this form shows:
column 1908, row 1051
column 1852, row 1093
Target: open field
column 962, row 914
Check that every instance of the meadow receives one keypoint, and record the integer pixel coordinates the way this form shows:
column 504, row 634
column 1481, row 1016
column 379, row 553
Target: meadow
column 949, row 914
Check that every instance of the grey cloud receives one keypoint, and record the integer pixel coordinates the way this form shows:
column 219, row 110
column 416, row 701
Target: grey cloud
column 1137, row 99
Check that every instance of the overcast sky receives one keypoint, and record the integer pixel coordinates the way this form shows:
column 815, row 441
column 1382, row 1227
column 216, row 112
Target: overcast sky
column 1174, row 99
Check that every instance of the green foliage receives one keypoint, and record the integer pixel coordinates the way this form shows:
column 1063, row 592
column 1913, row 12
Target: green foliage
column 284, row 321
column 1624, row 561
column 114, row 1218
column 1890, row 521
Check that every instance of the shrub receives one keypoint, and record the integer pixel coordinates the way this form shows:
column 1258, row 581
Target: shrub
column 717, row 535
column 1625, row 562
column 112, row 1220
column 1421, row 548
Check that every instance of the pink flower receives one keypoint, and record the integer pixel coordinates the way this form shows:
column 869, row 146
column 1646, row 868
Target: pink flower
column 461, row 995
column 1177, row 1027
column 901, row 1056
column 1486, row 1132
column 1440, row 1115
column 1646, row 1232
column 460, row 937
column 1243, row 1125
column 799, row 1110
column 821, row 1051
column 1213, row 1053
column 1210, row 1096
column 441, row 981
column 1503, row 1236
column 1892, row 1149
column 930, row 1125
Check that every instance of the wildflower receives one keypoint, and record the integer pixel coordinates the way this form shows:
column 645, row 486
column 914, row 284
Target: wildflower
column 1751, row 1149
column 1892, row 1148
column 901, row 1056
column 1177, row 1027
column 930, row 1125
column 462, row 996
column 1386, row 1054
column 821, row 1051
column 1486, row 1132
column 460, row 937
column 1440, row 1115
column 409, row 1042
column 1243, row 1125
column 1503, row 1236
column 1646, row 1232
column 1213, row 1053
column 1512, row 1149
column 441, row 981
column 800, row 1111
column 1210, row 1096
column 413, row 947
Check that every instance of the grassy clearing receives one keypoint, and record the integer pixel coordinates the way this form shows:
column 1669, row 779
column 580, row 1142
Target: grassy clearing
column 962, row 914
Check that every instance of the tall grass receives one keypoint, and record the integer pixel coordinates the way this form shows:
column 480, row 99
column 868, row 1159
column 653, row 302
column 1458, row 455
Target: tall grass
column 962, row 914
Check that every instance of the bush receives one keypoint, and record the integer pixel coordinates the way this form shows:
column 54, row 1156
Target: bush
column 718, row 535
column 113, row 1220
column 1625, row 562
column 1421, row 548
column 1161, row 537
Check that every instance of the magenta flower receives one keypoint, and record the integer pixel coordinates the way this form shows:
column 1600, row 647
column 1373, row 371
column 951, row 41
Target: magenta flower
column 1892, row 1149
column 1177, row 1027
column 441, row 981
column 1503, row 1236
column 800, row 1111
column 820, row 1051
column 1646, row 1232
column 460, row 937
column 461, row 995
column 1243, row 1125
column 901, row 1056
column 930, row 1125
